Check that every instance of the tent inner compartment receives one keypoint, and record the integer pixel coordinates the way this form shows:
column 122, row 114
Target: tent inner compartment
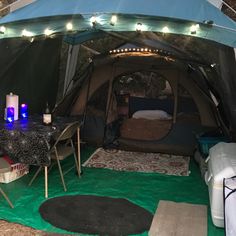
column 145, row 111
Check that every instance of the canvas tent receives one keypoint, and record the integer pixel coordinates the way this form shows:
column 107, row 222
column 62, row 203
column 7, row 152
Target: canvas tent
column 188, row 44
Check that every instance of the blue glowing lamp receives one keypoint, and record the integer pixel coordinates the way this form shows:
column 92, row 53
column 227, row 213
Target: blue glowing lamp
column 10, row 114
column 24, row 111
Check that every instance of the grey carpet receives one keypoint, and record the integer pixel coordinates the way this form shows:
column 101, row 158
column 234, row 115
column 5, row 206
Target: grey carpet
column 96, row 215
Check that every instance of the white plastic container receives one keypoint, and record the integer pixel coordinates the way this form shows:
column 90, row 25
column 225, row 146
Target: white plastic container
column 17, row 170
column 221, row 164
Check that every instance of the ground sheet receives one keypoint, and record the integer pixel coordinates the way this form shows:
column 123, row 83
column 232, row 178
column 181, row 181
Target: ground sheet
column 143, row 189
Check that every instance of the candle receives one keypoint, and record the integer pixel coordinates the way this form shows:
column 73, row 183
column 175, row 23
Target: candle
column 12, row 100
column 24, row 110
column 10, row 114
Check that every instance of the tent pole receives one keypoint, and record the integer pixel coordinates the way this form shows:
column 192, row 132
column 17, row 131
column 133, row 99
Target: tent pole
column 72, row 58
column 109, row 97
column 176, row 100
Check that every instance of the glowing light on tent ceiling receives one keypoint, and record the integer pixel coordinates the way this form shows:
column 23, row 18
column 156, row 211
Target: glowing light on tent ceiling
column 3, row 29
column 93, row 20
column 194, row 28
column 26, row 33
column 96, row 21
column 69, row 26
column 113, row 20
column 165, row 29
column 143, row 50
column 139, row 27
column 48, row 32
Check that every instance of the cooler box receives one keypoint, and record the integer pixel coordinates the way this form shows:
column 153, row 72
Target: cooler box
column 221, row 164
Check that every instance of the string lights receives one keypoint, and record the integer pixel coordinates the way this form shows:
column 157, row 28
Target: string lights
column 142, row 50
column 96, row 20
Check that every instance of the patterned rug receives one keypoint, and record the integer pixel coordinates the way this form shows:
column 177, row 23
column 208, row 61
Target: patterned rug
column 138, row 161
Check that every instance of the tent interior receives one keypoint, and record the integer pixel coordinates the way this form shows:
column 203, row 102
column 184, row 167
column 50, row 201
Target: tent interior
column 135, row 90
column 149, row 93
column 169, row 66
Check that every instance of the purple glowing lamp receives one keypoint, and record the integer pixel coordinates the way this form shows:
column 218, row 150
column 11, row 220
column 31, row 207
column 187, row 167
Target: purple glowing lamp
column 24, row 110
column 10, row 114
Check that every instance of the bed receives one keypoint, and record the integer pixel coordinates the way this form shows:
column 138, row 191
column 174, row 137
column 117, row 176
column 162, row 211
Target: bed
column 146, row 125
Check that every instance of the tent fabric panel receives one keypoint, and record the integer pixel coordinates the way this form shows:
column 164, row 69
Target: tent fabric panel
column 55, row 14
column 126, row 23
column 33, row 74
column 192, row 10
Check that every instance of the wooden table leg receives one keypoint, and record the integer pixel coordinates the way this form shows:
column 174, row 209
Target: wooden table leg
column 78, row 154
column 46, row 181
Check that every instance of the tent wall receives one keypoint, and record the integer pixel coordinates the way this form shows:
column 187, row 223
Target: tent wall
column 105, row 72
column 227, row 85
column 31, row 70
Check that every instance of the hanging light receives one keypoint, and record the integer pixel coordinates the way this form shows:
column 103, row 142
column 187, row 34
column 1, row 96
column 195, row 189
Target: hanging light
column 194, row 28
column 165, row 29
column 139, row 27
column 26, row 33
column 113, row 20
column 69, row 26
column 213, row 65
column 93, row 20
column 48, row 32
column 2, row 29
column 32, row 39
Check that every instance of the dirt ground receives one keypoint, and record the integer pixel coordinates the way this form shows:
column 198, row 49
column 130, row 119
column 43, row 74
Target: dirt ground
column 12, row 229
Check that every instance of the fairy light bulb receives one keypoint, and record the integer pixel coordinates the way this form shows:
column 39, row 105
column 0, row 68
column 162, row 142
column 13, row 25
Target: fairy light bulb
column 194, row 28
column 48, row 32
column 69, row 26
column 3, row 29
column 93, row 20
column 139, row 27
column 165, row 29
column 26, row 33
column 113, row 20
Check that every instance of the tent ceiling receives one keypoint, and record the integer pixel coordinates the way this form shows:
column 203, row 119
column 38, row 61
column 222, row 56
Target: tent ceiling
column 153, row 15
column 185, row 48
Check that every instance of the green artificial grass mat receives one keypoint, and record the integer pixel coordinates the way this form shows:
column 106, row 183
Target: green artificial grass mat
column 143, row 189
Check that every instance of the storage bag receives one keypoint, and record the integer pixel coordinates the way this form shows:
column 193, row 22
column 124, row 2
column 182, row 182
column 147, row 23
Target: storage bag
column 230, row 206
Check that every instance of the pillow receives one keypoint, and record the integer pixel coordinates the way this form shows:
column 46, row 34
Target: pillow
column 152, row 115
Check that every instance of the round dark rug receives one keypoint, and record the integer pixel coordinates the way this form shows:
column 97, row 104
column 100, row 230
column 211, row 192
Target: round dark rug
column 96, row 215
